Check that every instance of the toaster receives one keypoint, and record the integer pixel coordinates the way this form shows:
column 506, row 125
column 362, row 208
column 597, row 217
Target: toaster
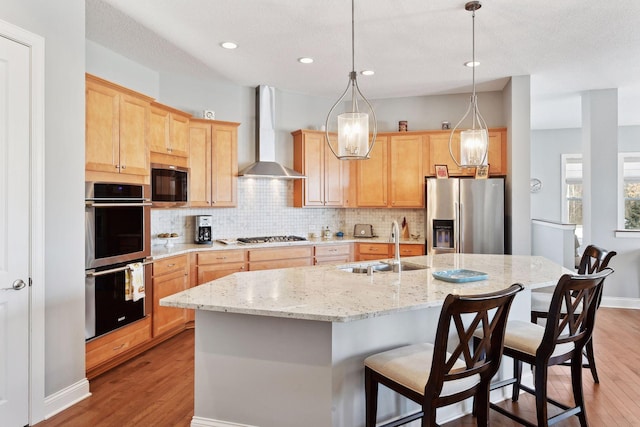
column 363, row 230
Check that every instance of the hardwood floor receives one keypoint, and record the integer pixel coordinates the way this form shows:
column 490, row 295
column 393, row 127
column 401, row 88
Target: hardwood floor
column 156, row 388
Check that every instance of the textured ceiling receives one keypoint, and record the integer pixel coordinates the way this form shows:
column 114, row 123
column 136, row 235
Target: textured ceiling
column 416, row 47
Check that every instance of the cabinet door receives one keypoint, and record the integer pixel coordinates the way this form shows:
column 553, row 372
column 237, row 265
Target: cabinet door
column 199, row 164
column 224, row 164
column 440, row 155
column 158, row 130
column 313, row 158
column 372, row 176
column 134, row 143
column 406, row 174
column 334, row 173
column 179, row 135
column 497, row 156
column 168, row 318
column 102, row 123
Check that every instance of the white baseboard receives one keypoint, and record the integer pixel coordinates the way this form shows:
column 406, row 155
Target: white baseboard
column 65, row 398
column 617, row 302
column 207, row 422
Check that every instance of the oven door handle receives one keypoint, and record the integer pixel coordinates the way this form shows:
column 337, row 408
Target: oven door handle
column 92, row 204
column 93, row 273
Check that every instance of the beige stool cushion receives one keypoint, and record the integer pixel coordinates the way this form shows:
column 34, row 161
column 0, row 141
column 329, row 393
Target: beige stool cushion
column 526, row 337
column 411, row 366
column 540, row 301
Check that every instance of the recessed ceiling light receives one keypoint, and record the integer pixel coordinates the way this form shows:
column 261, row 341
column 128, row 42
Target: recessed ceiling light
column 367, row 72
column 471, row 64
column 305, row 60
column 229, row 45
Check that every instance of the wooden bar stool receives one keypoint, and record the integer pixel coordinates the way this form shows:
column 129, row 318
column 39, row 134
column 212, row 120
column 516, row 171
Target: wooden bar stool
column 594, row 259
column 570, row 323
column 433, row 377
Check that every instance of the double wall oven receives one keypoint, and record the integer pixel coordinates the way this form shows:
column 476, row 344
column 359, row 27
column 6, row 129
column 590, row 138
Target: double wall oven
column 117, row 234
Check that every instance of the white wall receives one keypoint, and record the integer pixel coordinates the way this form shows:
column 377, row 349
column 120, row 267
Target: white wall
column 62, row 26
column 546, row 149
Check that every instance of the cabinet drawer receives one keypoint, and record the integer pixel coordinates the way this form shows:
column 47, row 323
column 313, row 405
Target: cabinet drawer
column 333, row 250
column 281, row 253
column 168, row 265
column 373, row 249
column 108, row 346
column 220, row 257
column 280, row 263
column 409, row 250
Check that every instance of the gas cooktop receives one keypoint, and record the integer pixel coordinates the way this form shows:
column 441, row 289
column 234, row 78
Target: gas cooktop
column 271, row 239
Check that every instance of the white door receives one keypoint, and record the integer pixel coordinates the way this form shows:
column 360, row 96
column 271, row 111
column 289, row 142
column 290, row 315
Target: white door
column 14, row 232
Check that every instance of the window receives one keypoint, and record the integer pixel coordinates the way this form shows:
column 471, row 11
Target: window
column 572, row 191
column 629, row 179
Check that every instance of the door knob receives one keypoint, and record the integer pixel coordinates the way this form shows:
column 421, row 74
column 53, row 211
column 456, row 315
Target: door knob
column 16, row 285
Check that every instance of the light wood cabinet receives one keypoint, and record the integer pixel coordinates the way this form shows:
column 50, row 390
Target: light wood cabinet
column 169, row 132
column 408, row 250
column 372, row 176
column 375, row 251
column 438, row 154
column 117, row 129
column 327, row 177
column 213, row 265
column 170, row 276
column 114, row 344
column 406, row 175
column 281, row 257
column 393, row 176
column 213, row 163
column 333, row 253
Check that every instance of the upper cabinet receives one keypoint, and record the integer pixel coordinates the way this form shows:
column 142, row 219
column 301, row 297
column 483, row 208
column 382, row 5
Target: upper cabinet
column 213, row 163
column 393, row 176
column 372, row 176
column 169, row 132
column 438, row 153
column 327, row 177
column 117, row 130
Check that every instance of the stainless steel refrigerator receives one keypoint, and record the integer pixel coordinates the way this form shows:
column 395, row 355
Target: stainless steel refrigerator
column 465, row 215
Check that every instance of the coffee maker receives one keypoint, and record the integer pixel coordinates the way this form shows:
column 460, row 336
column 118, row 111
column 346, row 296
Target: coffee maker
column 203, row 229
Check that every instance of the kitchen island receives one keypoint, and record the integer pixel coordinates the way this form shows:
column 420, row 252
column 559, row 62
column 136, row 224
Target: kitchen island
column 285, row 348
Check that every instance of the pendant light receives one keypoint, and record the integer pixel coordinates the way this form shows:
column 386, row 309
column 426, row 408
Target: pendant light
column 352, row 142
column 474, row 142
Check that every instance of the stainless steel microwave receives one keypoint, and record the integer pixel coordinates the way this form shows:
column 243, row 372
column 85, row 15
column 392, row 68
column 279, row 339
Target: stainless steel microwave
column 169, row 185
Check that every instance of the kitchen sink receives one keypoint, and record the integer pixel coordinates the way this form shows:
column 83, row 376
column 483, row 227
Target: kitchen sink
column 380, row 267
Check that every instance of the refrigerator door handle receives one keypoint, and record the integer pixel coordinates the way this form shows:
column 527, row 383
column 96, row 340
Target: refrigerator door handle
column 457, row 228
column 460, row 228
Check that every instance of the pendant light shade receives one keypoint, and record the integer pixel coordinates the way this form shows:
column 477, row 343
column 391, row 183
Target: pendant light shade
column 353, row 141
column 474, row 141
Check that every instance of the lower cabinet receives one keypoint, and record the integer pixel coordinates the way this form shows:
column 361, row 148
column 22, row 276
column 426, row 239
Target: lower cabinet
column 371, row 251
column 333, row 253
column 265, row 259
column 213, row 265
column 103, row 353
column 374, row 251
column 170, row 276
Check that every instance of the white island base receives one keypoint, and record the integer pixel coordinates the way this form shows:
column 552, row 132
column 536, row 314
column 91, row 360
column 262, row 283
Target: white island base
column 277, row 372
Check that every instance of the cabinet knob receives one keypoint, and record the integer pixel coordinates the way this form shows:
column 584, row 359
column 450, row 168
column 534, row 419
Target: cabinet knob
column 117, row 166
column 123, row 167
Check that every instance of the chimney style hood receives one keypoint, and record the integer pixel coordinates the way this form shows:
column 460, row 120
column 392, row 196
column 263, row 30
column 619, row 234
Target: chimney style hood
column 266, row 165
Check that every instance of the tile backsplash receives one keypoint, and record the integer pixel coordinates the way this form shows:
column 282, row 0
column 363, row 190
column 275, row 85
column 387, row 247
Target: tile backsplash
column 265, row 208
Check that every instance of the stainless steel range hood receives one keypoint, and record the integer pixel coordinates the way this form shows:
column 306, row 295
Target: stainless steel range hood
column 266, row 165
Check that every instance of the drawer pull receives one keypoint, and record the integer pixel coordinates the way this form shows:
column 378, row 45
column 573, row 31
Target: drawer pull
column 118, row 347
column 171, row 265
column 221, row 257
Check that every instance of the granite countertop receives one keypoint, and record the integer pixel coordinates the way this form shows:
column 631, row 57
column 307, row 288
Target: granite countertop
column 326, row 293
column 159, row 251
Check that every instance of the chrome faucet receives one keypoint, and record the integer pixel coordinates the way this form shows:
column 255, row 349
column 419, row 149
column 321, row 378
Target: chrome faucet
column 395, row 235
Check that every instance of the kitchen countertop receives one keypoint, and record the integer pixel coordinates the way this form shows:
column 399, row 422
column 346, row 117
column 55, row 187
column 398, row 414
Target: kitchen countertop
column 159, row 251
column 326, row 293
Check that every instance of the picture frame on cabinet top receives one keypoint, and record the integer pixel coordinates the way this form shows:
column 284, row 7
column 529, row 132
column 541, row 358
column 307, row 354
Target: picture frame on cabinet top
column 442, row 172
column 482, row 172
